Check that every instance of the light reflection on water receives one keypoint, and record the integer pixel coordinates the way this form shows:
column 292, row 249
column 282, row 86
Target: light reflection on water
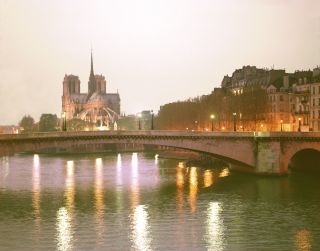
column 137, row 202
column 193, row 188
column 180, row 186
column 207, row 178
column 214, row 227
column 4, row 170
column 303, row 240
column 224, row 173
column 64, row 229
column 36, row 189
column 140, row 229
column 135, row 192
column 99, row 199
column 65, row 214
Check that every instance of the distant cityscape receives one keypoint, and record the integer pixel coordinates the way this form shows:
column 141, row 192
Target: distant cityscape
column 251, row 99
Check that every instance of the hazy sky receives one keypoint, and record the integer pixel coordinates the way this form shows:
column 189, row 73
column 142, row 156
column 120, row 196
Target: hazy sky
column 152, row 51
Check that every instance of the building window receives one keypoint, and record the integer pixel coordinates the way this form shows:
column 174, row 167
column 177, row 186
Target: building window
column 314, row 90
column 319, row 115
column 281, row 98
column 313, row 114
column 313, row 102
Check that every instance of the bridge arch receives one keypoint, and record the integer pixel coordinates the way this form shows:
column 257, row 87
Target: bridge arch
column 307, row 159
column 293, row 151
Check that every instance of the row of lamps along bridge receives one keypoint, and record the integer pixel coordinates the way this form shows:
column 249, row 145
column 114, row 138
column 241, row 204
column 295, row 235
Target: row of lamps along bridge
column 212, row 117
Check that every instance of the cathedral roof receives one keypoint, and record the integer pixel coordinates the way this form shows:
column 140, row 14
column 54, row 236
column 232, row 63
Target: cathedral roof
column 104, row 97
column 79, row 98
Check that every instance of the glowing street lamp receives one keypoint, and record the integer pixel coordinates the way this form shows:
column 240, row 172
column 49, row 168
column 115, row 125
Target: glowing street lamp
column 299, row 128
column 64, row 121
column 281, row 122
column 234, row 121
column 212, row 118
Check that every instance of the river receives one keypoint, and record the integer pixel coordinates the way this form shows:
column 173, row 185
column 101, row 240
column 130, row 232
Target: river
column 137, row 201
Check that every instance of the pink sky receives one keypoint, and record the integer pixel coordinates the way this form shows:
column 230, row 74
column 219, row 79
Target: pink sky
column 152, row 51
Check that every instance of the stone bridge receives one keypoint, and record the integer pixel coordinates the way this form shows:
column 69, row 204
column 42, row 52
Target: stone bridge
column 258, row 152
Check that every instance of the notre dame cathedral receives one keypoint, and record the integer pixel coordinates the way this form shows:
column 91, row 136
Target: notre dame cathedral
column 97, row 106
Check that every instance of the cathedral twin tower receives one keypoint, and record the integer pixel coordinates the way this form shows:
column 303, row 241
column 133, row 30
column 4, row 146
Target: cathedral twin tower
column 97, row 106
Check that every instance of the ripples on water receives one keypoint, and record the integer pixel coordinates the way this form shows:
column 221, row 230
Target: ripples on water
column 139, row 202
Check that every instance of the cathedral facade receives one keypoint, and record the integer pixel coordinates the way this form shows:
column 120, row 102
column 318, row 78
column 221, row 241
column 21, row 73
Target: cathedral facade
column 97, row 106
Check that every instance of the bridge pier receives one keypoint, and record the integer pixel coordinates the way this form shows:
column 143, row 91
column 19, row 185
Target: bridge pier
column 269, row 158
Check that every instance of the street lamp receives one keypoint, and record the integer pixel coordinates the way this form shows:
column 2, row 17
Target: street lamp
column 234, row 121
column 299, row 128
column 212, row 118
column 139, row 121
column 281, row 121
column 152, row 120
column 64, row 121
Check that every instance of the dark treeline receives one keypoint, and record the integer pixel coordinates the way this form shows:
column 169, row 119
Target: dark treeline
column 248, row 109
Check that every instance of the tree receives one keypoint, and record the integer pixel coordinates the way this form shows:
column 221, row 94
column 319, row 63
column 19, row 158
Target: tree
column 27, row 123
column 79, row 125
column 128, row 123
column 48, row 122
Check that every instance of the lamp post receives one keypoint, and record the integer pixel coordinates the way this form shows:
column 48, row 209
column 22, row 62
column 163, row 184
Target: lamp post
column 152, row 127
column 212, row 118
column 299, row 128
column 139, row 121
column 234, row 121
column 196, row 125
column 281, row 121
column 64, row 121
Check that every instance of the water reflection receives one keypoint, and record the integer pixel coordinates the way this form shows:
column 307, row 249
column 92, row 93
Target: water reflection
column 141, row 236
column 303, row 240
column 207, row 178
column 224, row 173
column 193, row 188
column 36, row 189
column 180, row 186
column 214, row 227
column 65, row 214
column 156, row 157
column 119, row 171
column 119, row 183
column 4, row 171
column 99, row 200
column 135, row 193
column 124, row 203
column 70, row 188
column 65, row 237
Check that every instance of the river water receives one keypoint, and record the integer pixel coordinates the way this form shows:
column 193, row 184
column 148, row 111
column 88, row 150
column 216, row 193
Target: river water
column 135, row 201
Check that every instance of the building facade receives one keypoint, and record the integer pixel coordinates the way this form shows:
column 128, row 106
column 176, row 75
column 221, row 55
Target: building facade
column 293, row 99
column 97, row 106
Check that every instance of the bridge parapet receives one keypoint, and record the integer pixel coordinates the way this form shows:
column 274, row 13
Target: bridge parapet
column 253, row 135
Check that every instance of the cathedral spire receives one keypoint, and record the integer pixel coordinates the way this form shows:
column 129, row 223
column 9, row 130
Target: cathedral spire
column 91, row 72
column 92, row 80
